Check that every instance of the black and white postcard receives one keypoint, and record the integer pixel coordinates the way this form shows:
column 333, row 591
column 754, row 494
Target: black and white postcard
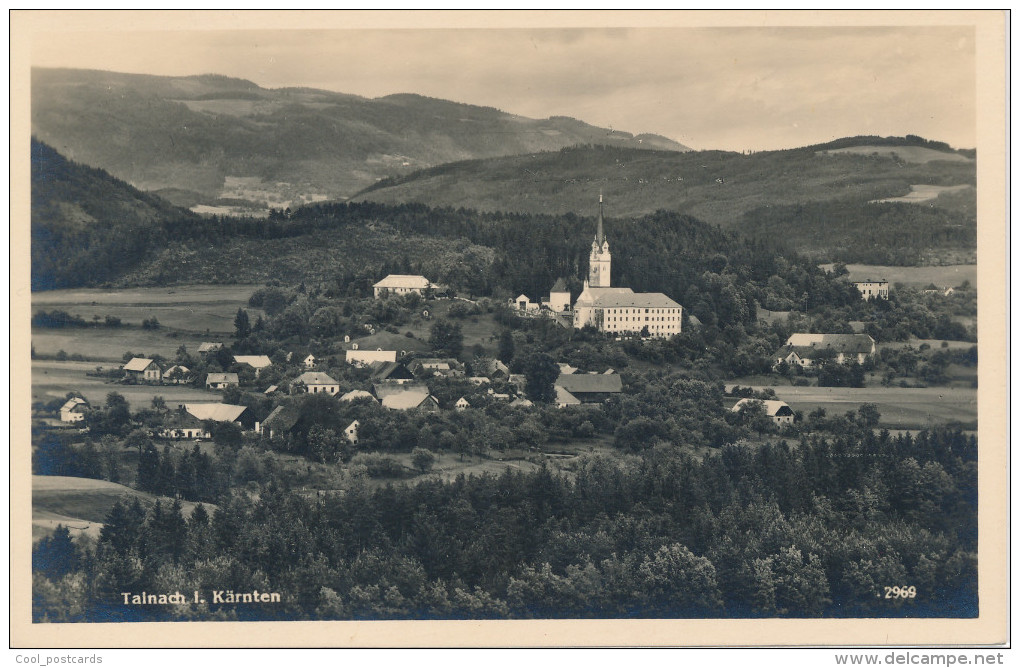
column 508, row 329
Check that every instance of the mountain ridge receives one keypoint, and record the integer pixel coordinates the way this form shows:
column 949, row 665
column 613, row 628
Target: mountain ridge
column 208, row 133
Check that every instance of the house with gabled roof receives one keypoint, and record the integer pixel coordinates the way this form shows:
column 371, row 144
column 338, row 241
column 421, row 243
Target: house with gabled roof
column 390, row 371
column 590, row 388
column 143, row 368
column 221, row 381
column 778, row 411
column 280, row 421
column 405, row 396
column 462, row 404
column 183, row 425
column 806, row 349
column 178, row 374
column 257, row 362
column 351, row 432
column 316, row 382
column 401, row 284
column 74, row 410
column 559, row 297
column 447, row 367
column 356, row 395
column 207, row 347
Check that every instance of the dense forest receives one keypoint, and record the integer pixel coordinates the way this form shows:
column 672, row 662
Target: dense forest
column 820, row 527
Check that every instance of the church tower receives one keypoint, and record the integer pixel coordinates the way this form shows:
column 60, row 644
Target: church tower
column 600, row 259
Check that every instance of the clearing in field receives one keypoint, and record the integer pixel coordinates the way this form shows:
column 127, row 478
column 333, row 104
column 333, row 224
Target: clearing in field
column 81, row 504
column 915, row 154
column 922, row 193
column 949, row 275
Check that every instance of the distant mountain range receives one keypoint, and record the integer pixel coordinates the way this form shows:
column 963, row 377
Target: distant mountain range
column 716, row 186
column 216, row 140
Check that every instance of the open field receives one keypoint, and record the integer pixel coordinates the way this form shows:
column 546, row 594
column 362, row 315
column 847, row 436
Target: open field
column 948, row 275
column 80, row 504
column 106, row 344
column 52, row 380
column 923, row 193
column 193, row 308
column 914, row 407
column 915, row 154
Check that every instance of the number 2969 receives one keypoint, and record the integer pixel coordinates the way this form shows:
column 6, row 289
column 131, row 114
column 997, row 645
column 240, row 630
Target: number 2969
column 901, row 592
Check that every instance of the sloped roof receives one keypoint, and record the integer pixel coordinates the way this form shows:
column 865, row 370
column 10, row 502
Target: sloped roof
column 403, row 281
column 372, row 355
column 181, row 420
column 772, row 406
column 217, row 412
column 177, row 367
column 494, row 365
column 383, row 390
column 841, row 343
column 559, row 286
column 282, row 418
column 316, row 378
column 522, row 402
column 384, row 370
column 209, row 346
column 138, row 364
column 587, row 382
column 254, row 361
column 221, row 378
column 463, row 402
column 408, row 399
column 624, row 298
column 271, row 389
column 73, row 403
column 356, row 394
column 565, row 368
column 564, row 397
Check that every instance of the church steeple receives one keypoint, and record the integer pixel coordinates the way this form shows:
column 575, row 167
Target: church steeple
column 600, row 259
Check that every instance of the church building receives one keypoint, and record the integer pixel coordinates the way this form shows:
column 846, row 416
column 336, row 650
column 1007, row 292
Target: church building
column 621, row 310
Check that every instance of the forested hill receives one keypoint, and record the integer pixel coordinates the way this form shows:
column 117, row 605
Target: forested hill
column 88, row 227
column 833, row 184
column 211, row 136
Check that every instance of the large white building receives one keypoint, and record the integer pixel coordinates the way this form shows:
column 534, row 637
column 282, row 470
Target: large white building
column 621, row 310
column 401, row 284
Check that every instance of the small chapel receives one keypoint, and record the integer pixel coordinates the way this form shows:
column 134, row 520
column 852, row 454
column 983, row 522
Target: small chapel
column 617, row 310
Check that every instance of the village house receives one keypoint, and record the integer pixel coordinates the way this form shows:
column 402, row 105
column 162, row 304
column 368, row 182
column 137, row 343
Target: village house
column 355, row 395
column 74, row 410
column 559, row 297
column 183, row 425
column 877, row 289
column 177, row 375
column 496, row 370
column 309, row 362
column 564, row 398
column 390, row 371
column 406, row 396
column 445, row 367
column 524, row 304
column 279, row 422
column 220, row 381
column 189, row 420
column 806, row 350
column 207, row 347
column 316, row 382
column 621, row 310
column 142, row 368
column 257, row 362
column 462, row 404
column 932, row 289
column 401, row 284
column 778, row 411
column 351, row 433
column 366, row 357
column 588, row 388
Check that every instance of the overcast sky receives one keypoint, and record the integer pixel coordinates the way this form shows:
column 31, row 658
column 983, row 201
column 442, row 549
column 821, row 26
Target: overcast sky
column 726, row 88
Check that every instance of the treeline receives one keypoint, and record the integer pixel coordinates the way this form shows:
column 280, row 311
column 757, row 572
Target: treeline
column 854, row 230
column 816, row 528
column 58, row 319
